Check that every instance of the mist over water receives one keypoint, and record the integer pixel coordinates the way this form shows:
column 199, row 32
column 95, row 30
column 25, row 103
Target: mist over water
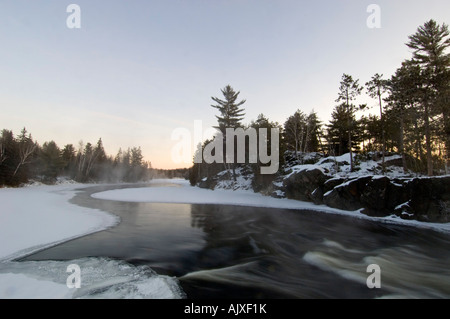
column 219, row 251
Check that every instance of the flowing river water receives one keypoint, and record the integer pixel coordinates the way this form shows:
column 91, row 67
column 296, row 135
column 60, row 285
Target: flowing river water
column 220, row 251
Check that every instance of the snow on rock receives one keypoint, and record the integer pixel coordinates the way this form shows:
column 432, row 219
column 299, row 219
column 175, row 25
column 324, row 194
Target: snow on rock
column 306, row 167
column 242, row 182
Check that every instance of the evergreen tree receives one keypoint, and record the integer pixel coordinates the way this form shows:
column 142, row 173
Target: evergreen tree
column 261, row 181
column 403, row 105
column 10, row 158
column 348, row 91
column 313, row 133
column 230, row 116
column 429, row 45
column 376, row 87
column 341, row 126
column 68, row 156
column 50, row 162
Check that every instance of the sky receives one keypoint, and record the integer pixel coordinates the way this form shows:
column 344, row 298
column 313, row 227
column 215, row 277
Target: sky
column 137, row 70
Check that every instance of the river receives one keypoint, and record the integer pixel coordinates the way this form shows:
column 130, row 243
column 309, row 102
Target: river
column 220, row 251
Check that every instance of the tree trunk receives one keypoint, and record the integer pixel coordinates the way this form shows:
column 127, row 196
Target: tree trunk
column 382, row 132
column 350, row 132
column 428, row 141
column 418, row 145
column 402, row 144
column 446, row 140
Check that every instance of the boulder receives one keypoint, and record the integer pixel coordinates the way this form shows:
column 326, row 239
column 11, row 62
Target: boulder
column 429, row 199
column 381, row 196
column 347, row 196
column 317, row 194
column 208, row 183
column 300, row 185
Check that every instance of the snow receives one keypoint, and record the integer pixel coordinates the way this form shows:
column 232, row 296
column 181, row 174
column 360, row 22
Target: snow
column 402, row 206
column 305, row 167
column 339, row 159
column 33, row 217
column 339, row 166
column 40, row 216
column 243, row 182
column 278, row 184
column 279, row 193
column 22, row 287
column 100, row 278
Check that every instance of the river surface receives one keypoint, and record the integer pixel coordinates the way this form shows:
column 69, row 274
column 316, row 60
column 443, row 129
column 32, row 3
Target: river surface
column 220, row 251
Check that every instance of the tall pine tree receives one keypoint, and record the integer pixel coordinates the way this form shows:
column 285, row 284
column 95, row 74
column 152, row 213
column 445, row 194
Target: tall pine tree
column 348, row 91
column 429, row 45
column 376, row 87
column 230, row 116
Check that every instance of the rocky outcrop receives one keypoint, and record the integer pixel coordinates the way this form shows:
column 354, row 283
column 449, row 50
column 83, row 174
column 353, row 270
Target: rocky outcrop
column 301, row 185
column 423, row 199
column 208, row 183
column 347, row 196
column 428, row 200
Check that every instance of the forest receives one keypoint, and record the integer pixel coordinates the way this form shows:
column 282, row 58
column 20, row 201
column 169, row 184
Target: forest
column 411, row 117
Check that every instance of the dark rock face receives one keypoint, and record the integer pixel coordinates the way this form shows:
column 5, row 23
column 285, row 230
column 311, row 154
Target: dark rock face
column 301, row 185
column 429, row 199
column 381, row 196
column 347, row 196
column 423, row 199
column 208, row 183
column 330, row 184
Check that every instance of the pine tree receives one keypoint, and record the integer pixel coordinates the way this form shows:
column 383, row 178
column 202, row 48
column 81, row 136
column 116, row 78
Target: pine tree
column 261, row 181
column 339, row 129
column 403, row 104
column 10, row 158
column 348, row 91
column 376, row 87
column 50, row 161
column 313, row 132
column 230, row 116
column 429, row 45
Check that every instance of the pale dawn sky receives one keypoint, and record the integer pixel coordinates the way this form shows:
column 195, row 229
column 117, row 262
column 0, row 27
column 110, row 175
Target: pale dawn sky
column 136, row 70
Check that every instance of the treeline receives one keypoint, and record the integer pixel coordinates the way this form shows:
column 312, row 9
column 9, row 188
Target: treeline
column 182, row 173
column 412, row 115
column 414, row 107
column 22, row 159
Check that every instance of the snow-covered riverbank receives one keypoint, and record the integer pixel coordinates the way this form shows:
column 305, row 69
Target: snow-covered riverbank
column 35, row 217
